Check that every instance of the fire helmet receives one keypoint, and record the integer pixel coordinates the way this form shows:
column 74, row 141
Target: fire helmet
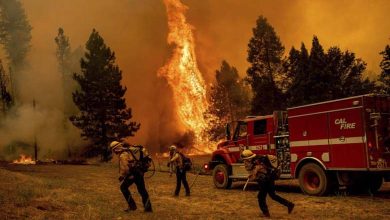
column 247, row 154
column 172, row 148
column 114, row 145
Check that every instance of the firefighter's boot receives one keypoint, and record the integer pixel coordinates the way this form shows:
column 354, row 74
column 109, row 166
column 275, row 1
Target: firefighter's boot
column 132, row 205
column 290, row 207
column 267, row 215
column 148, row 206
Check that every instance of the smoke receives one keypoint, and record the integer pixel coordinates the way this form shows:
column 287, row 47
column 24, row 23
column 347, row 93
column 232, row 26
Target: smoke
column 224, row 27
column 137, row 31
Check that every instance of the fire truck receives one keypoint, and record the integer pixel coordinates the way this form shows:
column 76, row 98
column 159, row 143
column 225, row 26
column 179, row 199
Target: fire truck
column 344, row 142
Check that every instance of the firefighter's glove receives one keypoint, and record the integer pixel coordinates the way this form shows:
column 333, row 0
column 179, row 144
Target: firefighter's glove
column 121, row 178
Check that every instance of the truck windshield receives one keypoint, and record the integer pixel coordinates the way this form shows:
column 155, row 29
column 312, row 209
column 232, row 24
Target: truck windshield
column 241, row 130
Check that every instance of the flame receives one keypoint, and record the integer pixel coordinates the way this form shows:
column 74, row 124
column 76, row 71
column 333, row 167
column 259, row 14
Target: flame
column 23, row 159
column 184, row 77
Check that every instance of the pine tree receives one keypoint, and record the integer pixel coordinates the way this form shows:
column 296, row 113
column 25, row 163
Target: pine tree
column 318, row 77
column 265, row 55
column 66, row 59
column 63, row 51
column 346, row 73
column 104, row 116
column 229, row 99
column 15, row 36
column 321, row 76
column 297, row 71
column 385, row 74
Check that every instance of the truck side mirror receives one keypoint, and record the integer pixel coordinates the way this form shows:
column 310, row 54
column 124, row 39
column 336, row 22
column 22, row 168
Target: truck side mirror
column 228, row 136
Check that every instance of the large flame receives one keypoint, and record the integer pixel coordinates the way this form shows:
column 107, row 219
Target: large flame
column 183, row 75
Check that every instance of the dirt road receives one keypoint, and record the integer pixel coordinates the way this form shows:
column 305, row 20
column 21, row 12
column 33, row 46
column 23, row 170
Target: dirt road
column 92, row 192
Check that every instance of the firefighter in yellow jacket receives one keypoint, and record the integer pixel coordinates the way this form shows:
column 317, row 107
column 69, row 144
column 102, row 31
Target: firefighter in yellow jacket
column 260, row 171
column 131, row 171
column 176, row 164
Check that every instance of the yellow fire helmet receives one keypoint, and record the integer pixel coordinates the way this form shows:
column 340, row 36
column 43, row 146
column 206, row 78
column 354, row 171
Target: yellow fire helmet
column 247, row 154
column 172, row 148
column 114, row 145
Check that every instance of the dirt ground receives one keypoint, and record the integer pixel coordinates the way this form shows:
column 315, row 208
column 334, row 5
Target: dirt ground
column 92, row 192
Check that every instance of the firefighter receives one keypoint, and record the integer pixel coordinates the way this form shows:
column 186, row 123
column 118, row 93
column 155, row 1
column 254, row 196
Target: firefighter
column 130, row 170
column 259, row 167
column 176, row 164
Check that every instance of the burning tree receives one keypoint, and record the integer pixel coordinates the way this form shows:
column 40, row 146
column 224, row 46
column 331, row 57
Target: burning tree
column 103, row 116
column 183, row 76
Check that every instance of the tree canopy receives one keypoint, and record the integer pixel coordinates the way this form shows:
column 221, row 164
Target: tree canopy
column 229, row 99
column 321, row 76
column 15, row 36
column 385, row 67
column 265, row 52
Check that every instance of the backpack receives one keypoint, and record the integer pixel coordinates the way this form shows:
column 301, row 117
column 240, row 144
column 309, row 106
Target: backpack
column 143, row 163
column 274, row 167
column 187, row 163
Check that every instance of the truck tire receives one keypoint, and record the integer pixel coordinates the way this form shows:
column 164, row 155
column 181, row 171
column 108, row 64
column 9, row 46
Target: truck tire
column 221, row 177
column 313, row 180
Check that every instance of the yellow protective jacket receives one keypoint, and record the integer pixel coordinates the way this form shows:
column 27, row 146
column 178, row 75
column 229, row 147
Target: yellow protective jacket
column 176, row 161
column 257, row 170
column 127, row 163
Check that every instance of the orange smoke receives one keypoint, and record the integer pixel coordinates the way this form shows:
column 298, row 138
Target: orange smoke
column 183, row 75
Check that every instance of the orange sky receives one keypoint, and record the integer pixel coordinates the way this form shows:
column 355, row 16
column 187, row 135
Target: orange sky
column 136, row 30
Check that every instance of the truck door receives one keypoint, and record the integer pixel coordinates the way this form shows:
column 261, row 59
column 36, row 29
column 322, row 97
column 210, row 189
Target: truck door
column 261, row 142
column 347, row 139
column 240, row 139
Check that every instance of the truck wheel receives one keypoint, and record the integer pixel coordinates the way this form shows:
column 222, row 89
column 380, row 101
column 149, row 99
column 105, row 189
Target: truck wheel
column 313, row 180
column 221, row 177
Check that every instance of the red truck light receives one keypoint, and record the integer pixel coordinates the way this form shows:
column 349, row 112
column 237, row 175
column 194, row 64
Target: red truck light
column 206, row 166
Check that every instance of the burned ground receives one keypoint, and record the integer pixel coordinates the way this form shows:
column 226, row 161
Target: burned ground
column 92, row 192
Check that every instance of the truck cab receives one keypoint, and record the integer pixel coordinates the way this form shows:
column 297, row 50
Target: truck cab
column 256, row 133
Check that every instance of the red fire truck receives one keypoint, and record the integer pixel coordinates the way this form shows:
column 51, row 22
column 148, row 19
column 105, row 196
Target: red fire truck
column 344, row 142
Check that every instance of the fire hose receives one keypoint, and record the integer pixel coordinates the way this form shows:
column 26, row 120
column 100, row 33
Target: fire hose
column 196, row 177
column 246, row 184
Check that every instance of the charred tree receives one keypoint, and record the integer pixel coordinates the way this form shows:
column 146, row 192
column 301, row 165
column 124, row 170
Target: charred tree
column 5, row 96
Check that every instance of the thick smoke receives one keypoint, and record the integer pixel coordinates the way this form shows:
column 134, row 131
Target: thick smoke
column 137, row 29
